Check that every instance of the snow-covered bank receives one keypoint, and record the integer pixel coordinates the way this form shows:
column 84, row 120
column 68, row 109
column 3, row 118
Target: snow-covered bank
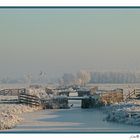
column 128, row 113
column 10, row 114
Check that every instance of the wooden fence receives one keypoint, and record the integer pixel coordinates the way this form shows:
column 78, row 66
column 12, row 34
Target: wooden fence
column 29, row 99
column 137, row 93
column 133, row 94
column 12, row 92
column 10, row 96
column 129, row 95
column 9, row 101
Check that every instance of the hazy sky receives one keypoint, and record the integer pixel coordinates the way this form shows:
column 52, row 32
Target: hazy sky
column 67, row 40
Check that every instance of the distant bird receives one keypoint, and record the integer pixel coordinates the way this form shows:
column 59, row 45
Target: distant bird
column 71, row 105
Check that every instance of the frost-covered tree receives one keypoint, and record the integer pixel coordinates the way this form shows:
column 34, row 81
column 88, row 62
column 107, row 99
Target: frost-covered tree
column 83, row 76
column 28, row 78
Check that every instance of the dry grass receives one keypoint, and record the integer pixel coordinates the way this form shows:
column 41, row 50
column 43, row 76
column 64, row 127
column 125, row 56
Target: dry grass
column 112, row 98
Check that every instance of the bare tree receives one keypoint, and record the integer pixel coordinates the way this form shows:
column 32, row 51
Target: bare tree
column 84, row 77
column 28, row 78
column 42, row 76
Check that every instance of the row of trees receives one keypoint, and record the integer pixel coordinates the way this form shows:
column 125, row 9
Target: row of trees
column 41, row 77
column 83, row 77
column 115, row 77
column 80, row 78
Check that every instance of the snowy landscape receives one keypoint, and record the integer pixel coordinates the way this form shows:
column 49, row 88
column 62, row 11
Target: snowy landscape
column 69, row 70
column 126, row 112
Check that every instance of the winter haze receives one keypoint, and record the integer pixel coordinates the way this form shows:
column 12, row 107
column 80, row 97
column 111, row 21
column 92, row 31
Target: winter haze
column 67, row 40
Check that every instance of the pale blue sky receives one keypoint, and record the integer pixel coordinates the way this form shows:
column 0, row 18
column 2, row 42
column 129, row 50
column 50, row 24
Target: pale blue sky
column 67, row 40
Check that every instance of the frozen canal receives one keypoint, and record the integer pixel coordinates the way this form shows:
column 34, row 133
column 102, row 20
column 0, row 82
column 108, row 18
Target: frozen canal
column 70, row 120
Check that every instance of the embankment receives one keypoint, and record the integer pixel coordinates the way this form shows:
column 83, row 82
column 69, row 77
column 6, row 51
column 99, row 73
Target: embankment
column 10, row 114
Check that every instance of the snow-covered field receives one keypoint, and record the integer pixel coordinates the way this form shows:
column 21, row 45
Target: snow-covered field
column 10, row 114
column 114, row 86
column 126, row 112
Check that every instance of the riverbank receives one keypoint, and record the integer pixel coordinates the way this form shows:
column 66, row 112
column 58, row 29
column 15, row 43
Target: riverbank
column 10, row 114
column 127, row 113
column 74, row 120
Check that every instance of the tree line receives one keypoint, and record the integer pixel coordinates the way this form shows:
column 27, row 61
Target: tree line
column 115, row 77
column 82, row 77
